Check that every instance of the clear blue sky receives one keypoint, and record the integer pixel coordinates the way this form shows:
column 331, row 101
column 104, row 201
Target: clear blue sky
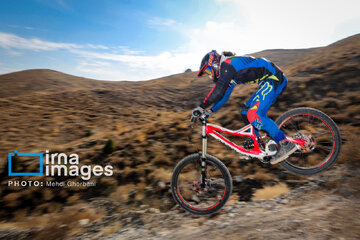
column 140, row 40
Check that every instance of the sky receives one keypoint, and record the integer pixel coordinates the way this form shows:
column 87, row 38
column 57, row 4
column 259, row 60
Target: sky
column 141, row 40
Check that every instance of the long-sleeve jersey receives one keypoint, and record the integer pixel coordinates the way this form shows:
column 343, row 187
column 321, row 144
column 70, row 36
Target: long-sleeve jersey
column 241, row 70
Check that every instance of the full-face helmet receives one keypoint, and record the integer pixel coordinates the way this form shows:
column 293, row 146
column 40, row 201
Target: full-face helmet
column 210, row 64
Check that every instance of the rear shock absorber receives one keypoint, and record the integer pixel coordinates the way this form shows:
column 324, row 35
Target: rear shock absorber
column 249, row 144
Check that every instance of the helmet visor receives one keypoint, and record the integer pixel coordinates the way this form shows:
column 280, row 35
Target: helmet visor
column 209, row 71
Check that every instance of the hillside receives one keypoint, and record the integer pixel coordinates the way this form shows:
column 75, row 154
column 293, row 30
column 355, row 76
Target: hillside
column 42, row 81
column 338, row 58
column 148, row 122
column 283, row 57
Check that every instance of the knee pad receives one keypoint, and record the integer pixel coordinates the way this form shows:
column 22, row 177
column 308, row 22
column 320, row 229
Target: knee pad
column 252, row 114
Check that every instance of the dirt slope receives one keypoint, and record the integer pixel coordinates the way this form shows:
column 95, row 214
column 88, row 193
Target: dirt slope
column 44, row 109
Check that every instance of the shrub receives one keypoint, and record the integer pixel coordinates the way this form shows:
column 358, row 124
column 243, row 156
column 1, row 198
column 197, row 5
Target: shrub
column 89, row 133
column 109, row 146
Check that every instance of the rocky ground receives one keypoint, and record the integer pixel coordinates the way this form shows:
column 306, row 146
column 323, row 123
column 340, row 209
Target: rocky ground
column 299, row 214
column 325, row 207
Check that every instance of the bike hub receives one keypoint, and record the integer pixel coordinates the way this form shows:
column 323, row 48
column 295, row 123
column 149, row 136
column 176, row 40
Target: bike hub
column 309, row 143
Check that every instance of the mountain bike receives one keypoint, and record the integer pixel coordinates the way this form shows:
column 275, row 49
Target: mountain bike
column 201, row 183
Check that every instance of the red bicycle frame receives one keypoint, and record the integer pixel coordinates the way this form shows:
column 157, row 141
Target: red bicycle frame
column 247, row 131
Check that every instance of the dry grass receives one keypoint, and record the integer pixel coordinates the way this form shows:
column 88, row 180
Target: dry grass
column 161, row 174
column 55, row 225
column 262, row 176
column 349, row 150
column 270, row 192
column 121, row 193
column 56, row 112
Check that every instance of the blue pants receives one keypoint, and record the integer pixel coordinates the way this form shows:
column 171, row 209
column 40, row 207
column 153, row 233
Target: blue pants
column 258, row 105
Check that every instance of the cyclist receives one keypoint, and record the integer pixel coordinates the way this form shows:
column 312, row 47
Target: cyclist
column 228, row 70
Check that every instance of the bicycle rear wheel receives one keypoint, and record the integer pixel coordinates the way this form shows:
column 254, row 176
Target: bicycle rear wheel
column 194, row 197
column 321, row 135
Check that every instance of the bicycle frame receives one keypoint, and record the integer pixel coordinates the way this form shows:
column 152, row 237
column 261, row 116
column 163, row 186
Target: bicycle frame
column 247, row 131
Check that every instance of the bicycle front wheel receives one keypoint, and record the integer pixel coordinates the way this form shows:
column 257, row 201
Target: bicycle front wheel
column 320, row 134
column 196, row 196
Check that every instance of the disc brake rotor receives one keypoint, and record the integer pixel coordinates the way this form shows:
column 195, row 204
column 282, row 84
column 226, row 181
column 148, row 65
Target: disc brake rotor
column 309, row 143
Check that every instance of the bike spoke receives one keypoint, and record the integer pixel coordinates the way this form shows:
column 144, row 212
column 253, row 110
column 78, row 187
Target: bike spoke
column 296, row 127
column 317, row 135
column 312, row 128
column 189, row 184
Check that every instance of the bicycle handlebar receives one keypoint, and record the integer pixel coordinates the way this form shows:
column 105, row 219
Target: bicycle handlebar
column 202, row 117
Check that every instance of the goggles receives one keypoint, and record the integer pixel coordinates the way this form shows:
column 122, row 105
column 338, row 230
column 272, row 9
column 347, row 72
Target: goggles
column 209, row 71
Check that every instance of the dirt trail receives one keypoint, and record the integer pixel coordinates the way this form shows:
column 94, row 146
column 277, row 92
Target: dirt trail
column 314, row 211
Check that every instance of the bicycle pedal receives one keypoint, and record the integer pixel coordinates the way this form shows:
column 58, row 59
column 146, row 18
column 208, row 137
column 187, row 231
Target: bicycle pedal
column 266, row 159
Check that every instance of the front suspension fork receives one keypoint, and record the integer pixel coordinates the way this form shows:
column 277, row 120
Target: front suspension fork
column 203, row 155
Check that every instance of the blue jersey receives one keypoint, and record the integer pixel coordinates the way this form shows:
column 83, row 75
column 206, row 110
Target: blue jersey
column 250, row 70
column 241, row 70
